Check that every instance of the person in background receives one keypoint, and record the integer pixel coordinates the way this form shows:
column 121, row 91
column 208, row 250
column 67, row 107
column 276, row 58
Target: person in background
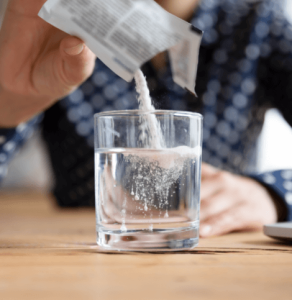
column 244, row 68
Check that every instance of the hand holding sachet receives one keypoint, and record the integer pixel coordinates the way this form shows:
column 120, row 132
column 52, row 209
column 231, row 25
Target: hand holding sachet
column 126, row 34
column 39, row 63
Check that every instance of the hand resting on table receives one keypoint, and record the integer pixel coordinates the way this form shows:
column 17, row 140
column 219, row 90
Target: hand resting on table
column 233, row 203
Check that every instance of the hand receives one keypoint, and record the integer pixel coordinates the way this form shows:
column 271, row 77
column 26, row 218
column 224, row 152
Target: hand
column 233, row 203
column 39, row 64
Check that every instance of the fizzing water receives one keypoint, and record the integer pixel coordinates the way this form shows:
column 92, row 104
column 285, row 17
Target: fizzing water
column 147, row 197
column 144, row 191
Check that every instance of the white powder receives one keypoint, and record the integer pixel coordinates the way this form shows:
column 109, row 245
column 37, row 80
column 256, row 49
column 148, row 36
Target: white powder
column 154, row 173
column 143, row 91
column 149, row 123
column 156, row 169
column 150, row 128
column 168, row 158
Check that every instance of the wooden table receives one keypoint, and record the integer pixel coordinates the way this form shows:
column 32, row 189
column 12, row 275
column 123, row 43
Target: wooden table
column 50, row 253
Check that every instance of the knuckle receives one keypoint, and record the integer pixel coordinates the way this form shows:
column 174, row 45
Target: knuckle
column 228, row 219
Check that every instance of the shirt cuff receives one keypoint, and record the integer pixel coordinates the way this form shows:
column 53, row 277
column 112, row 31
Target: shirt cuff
column 279, row 184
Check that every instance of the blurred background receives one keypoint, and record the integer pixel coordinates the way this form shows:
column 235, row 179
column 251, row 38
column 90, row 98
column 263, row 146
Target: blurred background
column 30, row 169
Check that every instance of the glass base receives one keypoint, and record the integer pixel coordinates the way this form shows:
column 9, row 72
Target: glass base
column 178, row 239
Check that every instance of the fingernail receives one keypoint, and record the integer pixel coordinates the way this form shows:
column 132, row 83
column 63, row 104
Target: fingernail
column 205, row 230
column 75, row 50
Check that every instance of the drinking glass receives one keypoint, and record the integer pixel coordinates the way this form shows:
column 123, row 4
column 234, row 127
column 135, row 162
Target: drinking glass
column 147, row 195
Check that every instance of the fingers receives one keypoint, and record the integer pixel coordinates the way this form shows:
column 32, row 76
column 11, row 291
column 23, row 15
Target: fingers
column 214, row 205
column 213, row 181
column 233, row 219
column 210, row 187
column 77, row 61
column 218, row 224
column 65, row 65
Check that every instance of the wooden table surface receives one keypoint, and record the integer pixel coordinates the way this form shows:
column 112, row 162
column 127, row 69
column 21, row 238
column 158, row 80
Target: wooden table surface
column 50, row 253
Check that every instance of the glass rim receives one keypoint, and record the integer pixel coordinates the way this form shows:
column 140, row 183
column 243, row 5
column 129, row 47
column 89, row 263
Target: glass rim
column 136, row 112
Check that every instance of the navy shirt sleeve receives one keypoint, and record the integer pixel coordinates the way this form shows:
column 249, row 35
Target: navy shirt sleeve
column 280, row 183
column 275, row 74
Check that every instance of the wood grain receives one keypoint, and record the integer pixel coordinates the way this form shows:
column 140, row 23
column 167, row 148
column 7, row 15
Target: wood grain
column 50, row 253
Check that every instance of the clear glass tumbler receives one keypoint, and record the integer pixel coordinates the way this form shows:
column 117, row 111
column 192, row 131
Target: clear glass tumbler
column 147, row 180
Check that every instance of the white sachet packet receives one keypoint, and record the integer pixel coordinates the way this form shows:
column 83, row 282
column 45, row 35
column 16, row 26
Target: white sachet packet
column 125, row 34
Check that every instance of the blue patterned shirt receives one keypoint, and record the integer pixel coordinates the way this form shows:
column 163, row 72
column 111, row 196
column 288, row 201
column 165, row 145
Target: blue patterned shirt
column 244, row 69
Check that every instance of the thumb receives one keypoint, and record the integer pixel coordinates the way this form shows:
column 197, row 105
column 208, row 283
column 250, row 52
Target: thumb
column 78, row 61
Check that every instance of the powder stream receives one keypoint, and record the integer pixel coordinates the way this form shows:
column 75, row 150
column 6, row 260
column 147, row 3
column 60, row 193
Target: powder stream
column 149, row 122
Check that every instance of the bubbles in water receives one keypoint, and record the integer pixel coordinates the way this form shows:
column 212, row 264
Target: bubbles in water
column 152, row 178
